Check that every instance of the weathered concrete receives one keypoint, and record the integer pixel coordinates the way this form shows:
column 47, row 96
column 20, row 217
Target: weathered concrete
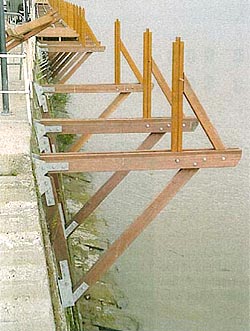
column 25, row 301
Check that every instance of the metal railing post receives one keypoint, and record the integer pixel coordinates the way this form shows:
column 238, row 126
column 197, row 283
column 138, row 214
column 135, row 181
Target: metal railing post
column 4, row 69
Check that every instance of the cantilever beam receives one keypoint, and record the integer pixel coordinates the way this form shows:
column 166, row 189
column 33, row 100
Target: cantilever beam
column 145, row 160
column 109, row 126
column 92, row 88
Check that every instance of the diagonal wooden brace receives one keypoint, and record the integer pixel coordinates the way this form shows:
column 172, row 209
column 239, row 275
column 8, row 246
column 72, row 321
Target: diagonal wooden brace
column 107, row 188
column 137, row 227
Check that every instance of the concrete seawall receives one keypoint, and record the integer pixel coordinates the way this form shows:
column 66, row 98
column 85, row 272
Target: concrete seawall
column 25, row 301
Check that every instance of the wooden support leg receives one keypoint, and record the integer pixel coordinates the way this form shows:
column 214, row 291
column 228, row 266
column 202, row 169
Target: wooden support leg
column 147, row 74
column 62, row 64
column 108, row 187
column 117, row 52
column 107, row 112
column 136, row 228
column 177, row 95
column 200, row 112
column 82, row 59
column 162, row 82
column 131, row 63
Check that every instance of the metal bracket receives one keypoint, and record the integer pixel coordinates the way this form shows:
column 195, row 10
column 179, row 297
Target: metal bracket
column 44, row 182
column 42, row 100
column 62, row 217
column 43, row 142
column 41, row 131
column 69, row 229
column 65, row 285
column 68, row 298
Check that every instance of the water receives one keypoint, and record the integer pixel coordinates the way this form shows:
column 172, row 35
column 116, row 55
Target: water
column 189, row 271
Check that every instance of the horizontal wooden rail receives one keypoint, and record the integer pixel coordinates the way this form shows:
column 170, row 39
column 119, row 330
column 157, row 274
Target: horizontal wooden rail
column 145, row 160
column 93, row 88
column 69, row 46
column 125, row 125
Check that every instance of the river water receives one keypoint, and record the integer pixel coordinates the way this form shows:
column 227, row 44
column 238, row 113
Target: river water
column 189, row 270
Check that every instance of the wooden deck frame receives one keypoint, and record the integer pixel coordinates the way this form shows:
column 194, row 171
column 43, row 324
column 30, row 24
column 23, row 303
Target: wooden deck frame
column 76, row 40
column 188, row 162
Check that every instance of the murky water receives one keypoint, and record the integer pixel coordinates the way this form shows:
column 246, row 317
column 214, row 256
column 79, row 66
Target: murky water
column 189, row 271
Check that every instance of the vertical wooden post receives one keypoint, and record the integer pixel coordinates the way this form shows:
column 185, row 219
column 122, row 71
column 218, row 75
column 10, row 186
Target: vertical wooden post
column 117, row 52
column 83, row 26
column 147, row 74
column 177, row 95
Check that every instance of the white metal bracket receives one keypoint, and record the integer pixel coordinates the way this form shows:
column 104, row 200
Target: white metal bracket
column 42, row 100
column 68, row 298
column 41, row 131
column 44, row 183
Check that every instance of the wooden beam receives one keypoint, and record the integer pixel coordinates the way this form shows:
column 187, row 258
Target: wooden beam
column 109, row 186
column 117, row 52
column 162, row 82
column 131, row 63
column 177, row 95
column 125, row 125
column 137, row 227
column 105, row 114
column 68, row 46
column 203, row 118
column 81, row 60
column 93, row 88
column 145, row 160
column 147, row 74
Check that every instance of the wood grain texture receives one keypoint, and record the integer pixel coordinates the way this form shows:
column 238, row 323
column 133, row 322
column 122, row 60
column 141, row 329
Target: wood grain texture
column 146, row 160
column 137, row 227
column 203, row 118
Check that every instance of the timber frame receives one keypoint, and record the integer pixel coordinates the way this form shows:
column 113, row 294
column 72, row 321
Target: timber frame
column 50, row 163
column 68, row 43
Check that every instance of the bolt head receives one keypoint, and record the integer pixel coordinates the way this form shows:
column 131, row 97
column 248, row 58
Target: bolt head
column 223, row 158
column 204, row 159
column 177, row 160
column 168, row 125
column 147, row 125
column 183, row 125
column 161, row 129
column 195, row 164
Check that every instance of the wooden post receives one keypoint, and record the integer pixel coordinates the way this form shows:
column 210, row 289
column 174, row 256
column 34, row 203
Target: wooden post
column 117, row 52
column 177, row 95
column 147, row 74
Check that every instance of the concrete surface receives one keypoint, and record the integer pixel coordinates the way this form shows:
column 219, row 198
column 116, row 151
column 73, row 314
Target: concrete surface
column 25, row 302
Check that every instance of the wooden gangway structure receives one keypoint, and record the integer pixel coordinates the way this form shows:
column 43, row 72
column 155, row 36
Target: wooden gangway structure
column 50, row 163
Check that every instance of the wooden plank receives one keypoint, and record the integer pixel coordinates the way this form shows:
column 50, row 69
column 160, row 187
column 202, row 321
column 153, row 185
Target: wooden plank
column 125, row 125
column 73, row 69
column 110, row 185
column 131, row 63
column 93, row 88
column 105, row 114
column 162, row 82
column 25, row 28
column 180, row 94
column 58, row 32
column 203, row 118
column 146, row 160
column 117, row 52
column 147, row 74
column 137, row 227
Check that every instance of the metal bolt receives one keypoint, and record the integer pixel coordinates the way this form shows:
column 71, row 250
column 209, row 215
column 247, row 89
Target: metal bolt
column 126, row 89
column 204, row 159
column 168, row 125
column 183, row 125
column 223, row 158
column 161, row 129
column 147, row 125
column 117, row 89
column 195, row 164
column 177, row 160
